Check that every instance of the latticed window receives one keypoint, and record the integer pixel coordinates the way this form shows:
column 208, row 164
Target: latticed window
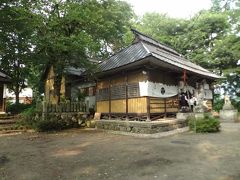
column 118, row 92
column 133, row 90
column 103, row 94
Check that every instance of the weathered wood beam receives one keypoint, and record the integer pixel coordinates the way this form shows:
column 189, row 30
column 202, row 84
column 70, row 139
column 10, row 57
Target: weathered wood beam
column 109, row 98
column 148, row 109
column 165, row 107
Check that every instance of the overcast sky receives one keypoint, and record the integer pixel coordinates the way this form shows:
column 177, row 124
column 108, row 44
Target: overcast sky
column 174, row 8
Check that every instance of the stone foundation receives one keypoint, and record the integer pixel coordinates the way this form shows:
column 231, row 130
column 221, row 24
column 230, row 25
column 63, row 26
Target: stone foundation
column 141, row 127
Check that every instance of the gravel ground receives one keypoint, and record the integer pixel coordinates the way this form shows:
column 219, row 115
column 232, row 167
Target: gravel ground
column 92, row 154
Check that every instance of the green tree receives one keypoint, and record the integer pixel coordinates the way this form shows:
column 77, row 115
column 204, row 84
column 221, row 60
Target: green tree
column 74, row 31
column 161, row 27
column 16, row 29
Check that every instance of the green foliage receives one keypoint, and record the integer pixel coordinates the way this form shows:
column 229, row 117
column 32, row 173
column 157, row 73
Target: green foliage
column 16, row 41
column 218, row 102
column 80, row 30
column 204, row 125
column 161, row 27
column 28, row 117
column 58, row 33
column 54, row 123
column 35, row 33
column 32, row 118
column 17, row 108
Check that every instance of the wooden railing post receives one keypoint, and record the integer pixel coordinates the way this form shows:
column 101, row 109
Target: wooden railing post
column 148, row 109
column 44, row 109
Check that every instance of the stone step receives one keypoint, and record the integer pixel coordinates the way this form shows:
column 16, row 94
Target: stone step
column 8, row 121
column 7, row 127
column 7, row 117
column 3, row 132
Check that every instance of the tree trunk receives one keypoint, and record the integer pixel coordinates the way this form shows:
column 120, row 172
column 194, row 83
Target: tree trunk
column 17, row 95
column 17, row 88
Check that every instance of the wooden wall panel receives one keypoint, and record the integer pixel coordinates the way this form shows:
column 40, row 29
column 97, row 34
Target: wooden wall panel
column 137, row 77
column 49, row 87
column 137, row 105
column 157, row 105
column 118, row 80
column 161, row 76
column 102, row 84
column 172, row 110
column 63, row 87
column 103, row 106
column 118, row 106
column 172, row 104
column 157, row 110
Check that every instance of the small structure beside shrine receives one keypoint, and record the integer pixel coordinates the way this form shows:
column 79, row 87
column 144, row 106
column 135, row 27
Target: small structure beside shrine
column 75, row 87
column 77, row 95
column 148, row 80
column 4, row 80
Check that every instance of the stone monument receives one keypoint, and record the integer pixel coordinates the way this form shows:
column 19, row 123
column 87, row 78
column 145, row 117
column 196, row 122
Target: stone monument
column 228, row 113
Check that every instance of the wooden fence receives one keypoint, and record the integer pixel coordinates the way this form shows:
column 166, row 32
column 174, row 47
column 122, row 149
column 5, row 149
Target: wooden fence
column 66, row 107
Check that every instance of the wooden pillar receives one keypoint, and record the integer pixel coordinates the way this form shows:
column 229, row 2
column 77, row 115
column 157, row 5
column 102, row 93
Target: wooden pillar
column 109, row 99
column 212, row 88
column 4, row 105
column 126, row 91
column 148, row 109
column 165, row 107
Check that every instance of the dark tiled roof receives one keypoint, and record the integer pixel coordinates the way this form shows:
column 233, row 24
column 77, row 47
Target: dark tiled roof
column 74, row 71
column 128, row 55
column 146, row 46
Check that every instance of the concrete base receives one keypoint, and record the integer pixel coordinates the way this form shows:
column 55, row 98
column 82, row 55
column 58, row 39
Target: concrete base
column 229, row 115
column 183, row 116
column 141, row 127
column 196, row 115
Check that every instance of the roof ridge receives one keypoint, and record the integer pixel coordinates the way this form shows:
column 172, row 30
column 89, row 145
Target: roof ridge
column 161, row 45
column 148, row 51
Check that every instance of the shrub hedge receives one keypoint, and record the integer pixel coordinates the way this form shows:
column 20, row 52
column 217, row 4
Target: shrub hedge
column 204, row 125
column 32, row 118
column 17, row 108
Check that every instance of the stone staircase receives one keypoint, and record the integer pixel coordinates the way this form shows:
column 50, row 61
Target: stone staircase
column 8, row 124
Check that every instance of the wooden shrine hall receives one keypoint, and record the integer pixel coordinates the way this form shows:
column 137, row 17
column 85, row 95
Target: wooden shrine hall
column 144, row 81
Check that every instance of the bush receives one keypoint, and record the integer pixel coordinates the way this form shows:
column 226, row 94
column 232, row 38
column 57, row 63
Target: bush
column 17, row 108
column 218, row 103
column 203, row 125
column 32, row 118
column 56, row 123
column 28, row 117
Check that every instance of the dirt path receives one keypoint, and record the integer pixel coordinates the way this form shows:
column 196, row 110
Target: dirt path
column 94, row 155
